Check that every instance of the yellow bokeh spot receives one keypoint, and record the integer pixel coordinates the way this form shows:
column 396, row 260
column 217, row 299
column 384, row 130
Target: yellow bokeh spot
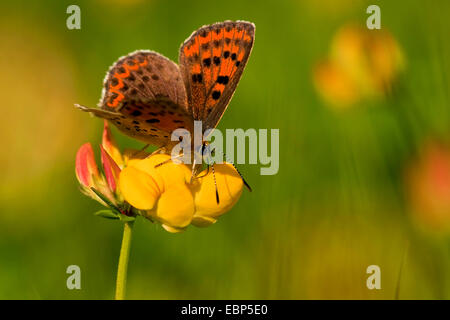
column 335, row 85
column 362, row 64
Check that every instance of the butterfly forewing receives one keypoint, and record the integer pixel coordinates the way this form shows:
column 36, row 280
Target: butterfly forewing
column 142, row 76
column 211, row 61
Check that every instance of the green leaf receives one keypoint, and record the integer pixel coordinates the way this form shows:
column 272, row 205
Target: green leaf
column 125, row 218
column 108, row 214
column 107, row 201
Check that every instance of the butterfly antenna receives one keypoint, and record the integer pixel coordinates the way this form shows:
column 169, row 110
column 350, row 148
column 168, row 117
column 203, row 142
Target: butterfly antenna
column 215, row 183
column 237, row 170
column 162, row 163
column 242, row 177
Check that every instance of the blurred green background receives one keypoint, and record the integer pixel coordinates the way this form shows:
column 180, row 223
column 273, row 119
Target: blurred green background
column 338, row 204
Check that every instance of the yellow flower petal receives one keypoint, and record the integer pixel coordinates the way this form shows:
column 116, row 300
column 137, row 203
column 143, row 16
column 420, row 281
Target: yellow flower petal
column 175, row 207
column 129, row 154
column 138, row 188
column 172, row 229
column 165, row 175
column 165, row 194
column 229, row 186
column 201, row 221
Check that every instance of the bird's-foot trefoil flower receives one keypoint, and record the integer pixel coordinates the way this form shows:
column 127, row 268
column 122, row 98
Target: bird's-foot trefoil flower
column 134, row 183
column 166, row 194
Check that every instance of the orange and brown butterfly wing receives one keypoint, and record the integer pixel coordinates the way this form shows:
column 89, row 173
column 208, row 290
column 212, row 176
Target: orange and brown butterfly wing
column 152, row 123
column 211, row 61
column 142, row 76
column 145, row 97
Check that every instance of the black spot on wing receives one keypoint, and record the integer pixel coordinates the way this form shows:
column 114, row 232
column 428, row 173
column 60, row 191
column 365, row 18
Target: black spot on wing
column 216, row 95
column 223, row 79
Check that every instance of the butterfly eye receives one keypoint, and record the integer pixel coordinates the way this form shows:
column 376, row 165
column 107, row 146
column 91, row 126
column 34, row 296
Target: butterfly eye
column 208, row 154
column 206, row 150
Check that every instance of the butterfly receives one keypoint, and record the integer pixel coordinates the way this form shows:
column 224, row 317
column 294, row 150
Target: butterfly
column 147, row 96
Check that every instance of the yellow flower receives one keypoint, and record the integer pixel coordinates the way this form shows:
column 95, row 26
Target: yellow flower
column 362, row 64
column 165, row 193
column 229, row 185
column 134, row 183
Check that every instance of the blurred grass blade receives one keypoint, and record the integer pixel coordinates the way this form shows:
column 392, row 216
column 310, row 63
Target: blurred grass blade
column 402, row 264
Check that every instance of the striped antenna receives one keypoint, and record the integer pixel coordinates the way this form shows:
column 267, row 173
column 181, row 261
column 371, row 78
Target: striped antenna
column 215, row 183
column 240, row 174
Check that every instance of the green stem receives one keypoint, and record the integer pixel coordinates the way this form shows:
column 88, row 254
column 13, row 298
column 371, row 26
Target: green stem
column 123, row 260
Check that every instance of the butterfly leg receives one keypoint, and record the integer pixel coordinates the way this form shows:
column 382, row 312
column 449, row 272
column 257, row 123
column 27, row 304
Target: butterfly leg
column 135, row 154
column 168, row 160
column 205, row 174
column 159, row 150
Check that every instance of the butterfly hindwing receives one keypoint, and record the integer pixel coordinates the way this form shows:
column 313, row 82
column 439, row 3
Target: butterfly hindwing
column 161, row 113
column 145, row 97
column 133, row 127
column 211, row 61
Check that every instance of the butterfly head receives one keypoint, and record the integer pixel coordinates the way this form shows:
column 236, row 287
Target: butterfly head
column 205, row 153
